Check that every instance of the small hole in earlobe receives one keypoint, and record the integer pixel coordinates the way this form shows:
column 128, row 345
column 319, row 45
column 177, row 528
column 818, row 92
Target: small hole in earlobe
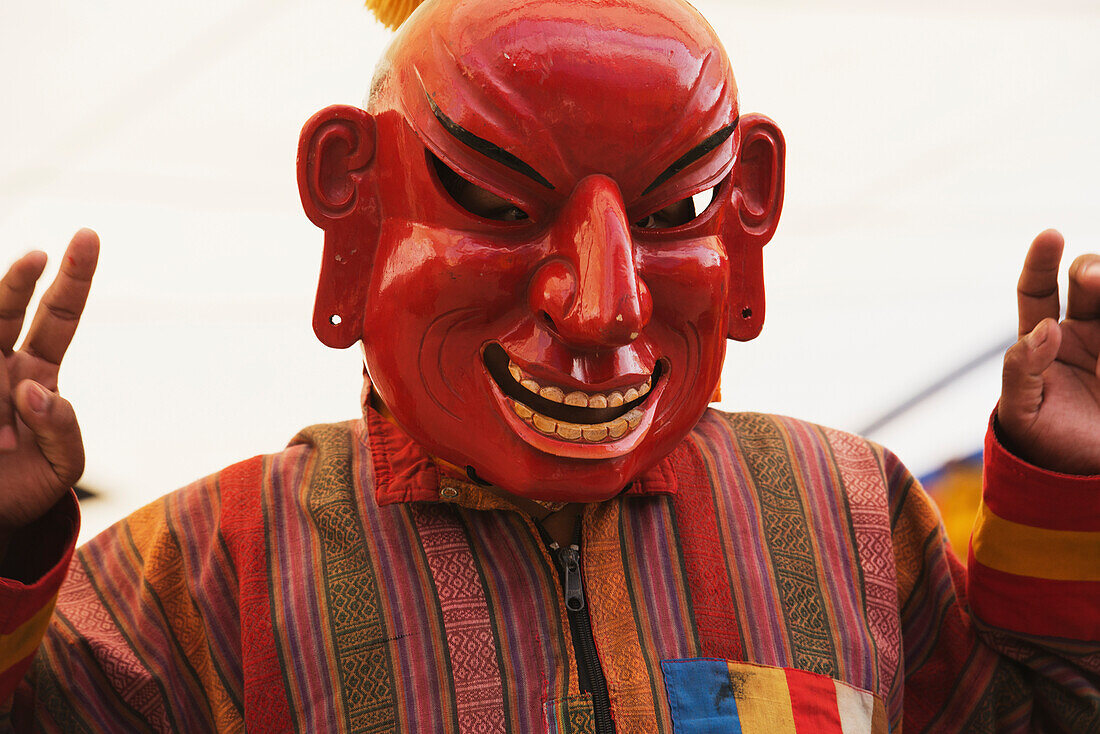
column 746, row 313
column 335, row 319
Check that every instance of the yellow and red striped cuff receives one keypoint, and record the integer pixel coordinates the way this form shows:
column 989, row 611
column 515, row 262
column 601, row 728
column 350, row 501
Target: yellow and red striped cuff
column 38, row 559
column 1035, row 549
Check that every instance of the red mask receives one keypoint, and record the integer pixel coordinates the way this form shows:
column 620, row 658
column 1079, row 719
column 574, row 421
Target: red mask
column 511, row 232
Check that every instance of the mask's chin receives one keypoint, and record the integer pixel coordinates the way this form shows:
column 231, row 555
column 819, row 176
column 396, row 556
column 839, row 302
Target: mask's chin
column 572, row 423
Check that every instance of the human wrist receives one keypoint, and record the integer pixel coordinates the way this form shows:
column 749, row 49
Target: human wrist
column 29, row 552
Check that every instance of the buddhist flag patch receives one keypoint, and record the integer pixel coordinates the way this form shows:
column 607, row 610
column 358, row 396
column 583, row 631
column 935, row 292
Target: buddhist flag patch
column 709, row 696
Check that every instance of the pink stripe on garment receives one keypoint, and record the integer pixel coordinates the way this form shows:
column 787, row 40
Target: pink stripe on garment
column 479, row 694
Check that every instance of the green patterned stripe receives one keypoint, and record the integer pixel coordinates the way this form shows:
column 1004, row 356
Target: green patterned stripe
column 786, row 530
column 352, row 600
column 578, row 715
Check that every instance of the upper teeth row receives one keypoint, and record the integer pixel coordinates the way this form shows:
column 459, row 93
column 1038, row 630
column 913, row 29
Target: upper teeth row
column 577, row 398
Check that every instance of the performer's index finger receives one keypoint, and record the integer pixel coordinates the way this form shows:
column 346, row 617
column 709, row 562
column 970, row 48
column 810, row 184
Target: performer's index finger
column 1037, row 290
column 16, row 289
column 59, row 312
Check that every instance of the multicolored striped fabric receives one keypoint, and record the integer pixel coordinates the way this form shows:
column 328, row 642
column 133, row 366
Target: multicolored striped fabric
column 708, row 695
column 345, row 585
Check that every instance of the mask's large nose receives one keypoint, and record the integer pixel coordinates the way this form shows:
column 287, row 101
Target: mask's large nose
column 590, row 293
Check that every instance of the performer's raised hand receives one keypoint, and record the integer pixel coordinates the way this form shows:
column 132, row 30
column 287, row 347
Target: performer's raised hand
column 1049, row 412
column 41, row 452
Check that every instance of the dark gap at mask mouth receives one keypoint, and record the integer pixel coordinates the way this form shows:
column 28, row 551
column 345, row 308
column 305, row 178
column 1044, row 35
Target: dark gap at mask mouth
column 496, row 362
column 475, row 477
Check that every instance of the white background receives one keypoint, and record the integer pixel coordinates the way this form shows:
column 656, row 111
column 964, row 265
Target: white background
column 927, row 144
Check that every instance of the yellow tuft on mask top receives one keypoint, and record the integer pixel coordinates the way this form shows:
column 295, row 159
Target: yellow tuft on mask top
column 392, row 13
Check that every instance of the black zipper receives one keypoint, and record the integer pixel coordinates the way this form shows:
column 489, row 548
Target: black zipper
column 590, row 672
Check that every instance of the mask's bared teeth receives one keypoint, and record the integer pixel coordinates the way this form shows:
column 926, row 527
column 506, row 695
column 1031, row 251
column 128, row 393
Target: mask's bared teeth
column 614, row 400
column 531, row 385
column 577, row 399
column 579, row 432
column 554, row 394
column 595, row 434
column 597, row 401
column 631, row 394
column 617, row 427
column 544, row 424
column 569, row 431
column 646, row 387
column 515, row 372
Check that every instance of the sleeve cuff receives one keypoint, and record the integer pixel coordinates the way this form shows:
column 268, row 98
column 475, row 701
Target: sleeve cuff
column 1035, row 551
column 36, row 563
column 1024, row 493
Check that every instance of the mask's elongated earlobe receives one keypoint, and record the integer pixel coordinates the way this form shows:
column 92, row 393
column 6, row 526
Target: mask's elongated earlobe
column 758, row 197
column 335, row 150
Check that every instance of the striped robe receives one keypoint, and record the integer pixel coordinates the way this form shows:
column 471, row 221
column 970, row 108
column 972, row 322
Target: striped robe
column 767, row 576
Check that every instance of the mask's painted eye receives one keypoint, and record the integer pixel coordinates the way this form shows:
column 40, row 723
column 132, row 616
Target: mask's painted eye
column 472, row 197
column 680, row 213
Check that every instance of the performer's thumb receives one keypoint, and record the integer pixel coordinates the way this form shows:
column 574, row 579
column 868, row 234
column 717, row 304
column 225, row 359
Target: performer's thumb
column 1022, row 380
column 53, row 422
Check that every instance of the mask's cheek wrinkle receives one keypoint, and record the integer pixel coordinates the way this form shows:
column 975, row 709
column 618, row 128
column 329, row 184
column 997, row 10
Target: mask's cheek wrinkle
column 689, row 281
column 692, row 363
column 432, row 362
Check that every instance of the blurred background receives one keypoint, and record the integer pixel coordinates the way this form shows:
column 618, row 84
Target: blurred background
column 927, row 144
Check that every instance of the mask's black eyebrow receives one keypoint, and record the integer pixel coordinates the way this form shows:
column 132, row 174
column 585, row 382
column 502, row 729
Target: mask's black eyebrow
column 700, row 150
column 485, row 147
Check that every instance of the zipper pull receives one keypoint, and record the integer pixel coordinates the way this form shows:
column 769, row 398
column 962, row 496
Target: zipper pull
column 570, row 559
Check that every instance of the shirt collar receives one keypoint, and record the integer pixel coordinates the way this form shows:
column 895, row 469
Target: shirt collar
column 404, row 472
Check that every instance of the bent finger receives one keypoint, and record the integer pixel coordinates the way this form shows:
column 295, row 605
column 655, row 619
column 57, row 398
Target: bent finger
column 16, row 289
column 52, row 420
column 1084, row 288
column 1037, row 289
column 59, row 313
column 7, row 410
column 1022, row 379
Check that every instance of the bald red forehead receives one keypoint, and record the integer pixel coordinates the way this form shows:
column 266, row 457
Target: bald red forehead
column 571, row 87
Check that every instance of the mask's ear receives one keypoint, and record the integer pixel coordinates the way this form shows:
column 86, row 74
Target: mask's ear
column 758, row 197
column 335, row 150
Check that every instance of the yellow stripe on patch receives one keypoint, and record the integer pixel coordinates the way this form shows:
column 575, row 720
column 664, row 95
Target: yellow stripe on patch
column 763, row 701
column 25, row 639
column 1059, row 555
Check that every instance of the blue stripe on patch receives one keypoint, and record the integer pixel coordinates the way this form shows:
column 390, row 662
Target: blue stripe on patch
column 700, row 696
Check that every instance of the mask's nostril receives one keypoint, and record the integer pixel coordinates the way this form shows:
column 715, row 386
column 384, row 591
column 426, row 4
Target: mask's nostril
column 547, row 320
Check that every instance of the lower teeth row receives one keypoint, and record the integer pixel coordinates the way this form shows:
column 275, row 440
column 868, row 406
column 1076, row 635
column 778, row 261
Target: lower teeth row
column 593, row 433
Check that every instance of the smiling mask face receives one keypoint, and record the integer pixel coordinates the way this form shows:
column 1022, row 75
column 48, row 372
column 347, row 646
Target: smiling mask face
column 543, row 232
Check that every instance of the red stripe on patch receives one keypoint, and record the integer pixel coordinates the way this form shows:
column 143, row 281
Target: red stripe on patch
column 1063, row 609
column 813, row 702
column 704, row 562
column 266, row 707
